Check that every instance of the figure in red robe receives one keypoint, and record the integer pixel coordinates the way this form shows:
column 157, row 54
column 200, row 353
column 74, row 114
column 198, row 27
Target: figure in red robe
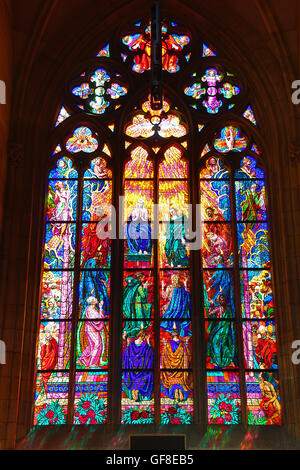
column 212, row 216
column 49, row 355
column 91, row 243
column 265, row 350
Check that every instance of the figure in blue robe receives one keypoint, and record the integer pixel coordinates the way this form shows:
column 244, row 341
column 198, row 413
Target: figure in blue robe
column 97, row 170
column 179, row 309
column 138, row 356
column 94, row 283
column 138, row 231
column 221, row 283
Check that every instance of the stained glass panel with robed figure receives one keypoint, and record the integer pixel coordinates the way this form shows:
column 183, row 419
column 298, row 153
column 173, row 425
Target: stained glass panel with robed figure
column 157, row 272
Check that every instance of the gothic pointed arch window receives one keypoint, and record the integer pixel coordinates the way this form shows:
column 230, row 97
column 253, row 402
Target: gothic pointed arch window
column 137, row 325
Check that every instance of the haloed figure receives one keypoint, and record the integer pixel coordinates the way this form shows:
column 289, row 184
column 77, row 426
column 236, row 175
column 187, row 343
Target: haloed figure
column 175, row 247
column 138, row 230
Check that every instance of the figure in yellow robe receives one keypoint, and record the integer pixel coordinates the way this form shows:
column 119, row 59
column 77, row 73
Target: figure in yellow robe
column 176, row 355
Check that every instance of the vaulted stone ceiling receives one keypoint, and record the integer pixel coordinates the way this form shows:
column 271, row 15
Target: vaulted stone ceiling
column 46, row 31
column 53, row 23
column 47, row 34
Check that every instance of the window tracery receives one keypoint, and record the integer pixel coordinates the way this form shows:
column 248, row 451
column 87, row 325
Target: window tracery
column 170, row 298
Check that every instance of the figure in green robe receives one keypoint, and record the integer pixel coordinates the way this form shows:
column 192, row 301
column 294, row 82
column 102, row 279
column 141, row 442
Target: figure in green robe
column 221, row 345
column 175, row 245
column 252, row 206
column 136, row 308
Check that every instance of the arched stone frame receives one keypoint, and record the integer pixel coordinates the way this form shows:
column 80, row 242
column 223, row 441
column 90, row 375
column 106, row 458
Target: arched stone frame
column 33, row 137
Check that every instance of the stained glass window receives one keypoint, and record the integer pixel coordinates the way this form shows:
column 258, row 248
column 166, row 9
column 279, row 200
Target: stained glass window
column 138, row 45
column 73, row 346
column 149, row 263
column 236, row 258
column 136, row 325
column 214, row 89
column 138, row 342
column 219, row 294
column 147, row 122
column 175, row 290
column 56, row 308
column 257, row 303
column 96, row 91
